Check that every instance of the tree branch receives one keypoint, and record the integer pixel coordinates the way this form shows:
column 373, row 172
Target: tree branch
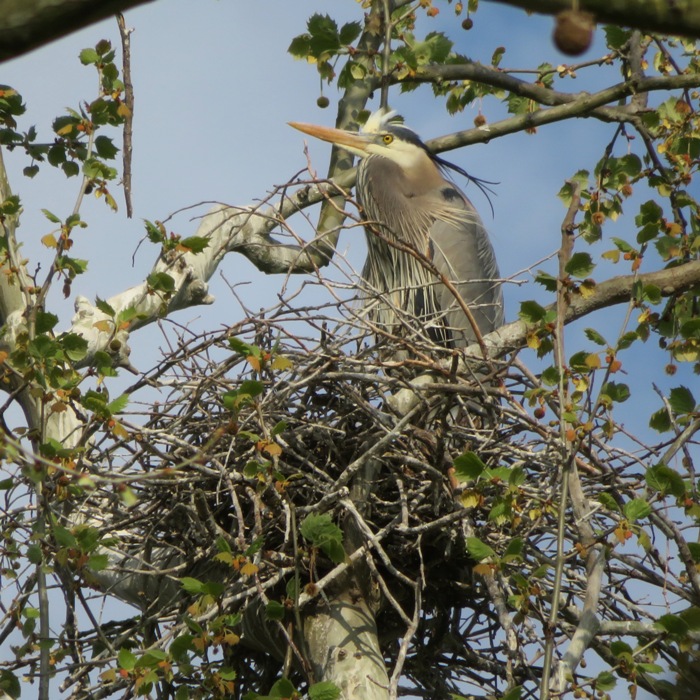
column 681, row 17
column 27, row 24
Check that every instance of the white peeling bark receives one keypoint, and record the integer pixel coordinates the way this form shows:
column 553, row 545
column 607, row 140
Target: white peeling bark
column 341, row 638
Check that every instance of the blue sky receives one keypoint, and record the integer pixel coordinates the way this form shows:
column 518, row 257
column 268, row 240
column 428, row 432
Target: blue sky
column 215, row 88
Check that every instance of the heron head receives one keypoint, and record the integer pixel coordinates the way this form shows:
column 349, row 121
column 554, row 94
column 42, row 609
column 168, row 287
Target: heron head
column 382, row 135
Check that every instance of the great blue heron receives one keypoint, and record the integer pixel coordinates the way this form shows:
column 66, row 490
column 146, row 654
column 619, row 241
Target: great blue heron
column 407, row 200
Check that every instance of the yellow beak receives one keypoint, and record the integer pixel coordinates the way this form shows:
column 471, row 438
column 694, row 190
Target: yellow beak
column 351, row 140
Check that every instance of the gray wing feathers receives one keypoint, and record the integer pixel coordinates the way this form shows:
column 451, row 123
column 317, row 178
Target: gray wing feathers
column 463, row 252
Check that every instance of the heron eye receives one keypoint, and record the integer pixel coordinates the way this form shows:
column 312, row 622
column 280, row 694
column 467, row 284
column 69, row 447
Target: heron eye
column 387, row 138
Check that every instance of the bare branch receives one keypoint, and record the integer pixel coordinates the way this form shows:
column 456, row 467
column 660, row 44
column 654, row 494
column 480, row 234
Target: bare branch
column 681, row 18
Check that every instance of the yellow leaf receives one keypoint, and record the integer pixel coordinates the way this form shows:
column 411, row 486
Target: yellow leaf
column 253, row 362
column 469, row 499
column 65, row 130
column 483, row 569
column 686, row 354
column 58, row 407
column 535, row 514
column 118, row 430
column 612, row 255
column 109, row 676
column 123, row 110
column 49, row 240
column 105, row 326
column 622, row 533
column 581, row 383
column 273, row 449
column 281, row 362
column 231, row 638
column 533, row 341
column 587, row 289
column 248, row 569
column 593, row 361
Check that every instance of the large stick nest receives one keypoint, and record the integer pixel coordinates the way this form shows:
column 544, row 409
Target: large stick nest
column 243, row 444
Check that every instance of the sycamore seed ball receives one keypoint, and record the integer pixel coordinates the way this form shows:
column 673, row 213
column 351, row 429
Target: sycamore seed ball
column 573, row 32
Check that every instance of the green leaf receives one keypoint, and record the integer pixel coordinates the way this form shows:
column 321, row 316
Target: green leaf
column 88, row 56
column 681, row 400
column 324, row 35
column 63, row 537
column 627, row 339
column 694, row 548
column 70, row 168
column 618, row 393
column 161, row 282
column 636, row 509
column 192, row 585
column 279, row 428
column 650, row 668
column 45, row 321
column 580, row 265
column 605, row 681
column 98, row 562
column 195, row 244
column 665, row 480
column 608, row 501
column 551, row 376
column 514, row 550
column 349, row 32
column 240, row 347
column 325, row 690
column 105, row 148
column 74, row 346
column 618, row 648
column 479, row 550
column 691, row 616
column 300, row 47
column 274, row 610
column 517, row 476
column 531, row 311
column 513, row 694
column 151, row 658
column 34, row 554
column 468, row 466
column 660, row 421
column 549, row 282
column 9, row 684
column 51, row 217
column 673, row 624
column 283, row 688
column 105, row 308
column 126, row 659
column 323, row 533
column 119, row 404
column 593, row 335
column 251, row 387
column 180, row 646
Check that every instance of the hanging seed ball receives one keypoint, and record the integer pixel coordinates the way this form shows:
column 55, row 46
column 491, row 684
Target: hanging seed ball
column 323, row 102
column 573, row 32
column 468, row 23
